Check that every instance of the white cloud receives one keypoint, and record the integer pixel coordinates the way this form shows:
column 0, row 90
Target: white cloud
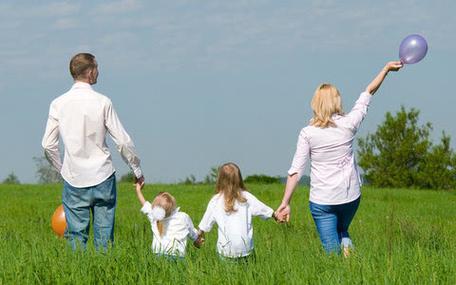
column 117, row 7
column 214, row 34
column 66, row 23
column 53, row 9
column 60, row 9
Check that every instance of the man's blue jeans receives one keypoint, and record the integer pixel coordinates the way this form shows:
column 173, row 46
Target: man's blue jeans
column 79, row 202
column 332, row 222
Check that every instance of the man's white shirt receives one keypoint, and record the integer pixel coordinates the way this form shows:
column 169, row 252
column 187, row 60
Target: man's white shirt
column 82, row 117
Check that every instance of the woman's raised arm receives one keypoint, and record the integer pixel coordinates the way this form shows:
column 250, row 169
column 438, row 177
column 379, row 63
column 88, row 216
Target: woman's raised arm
column 378, row 80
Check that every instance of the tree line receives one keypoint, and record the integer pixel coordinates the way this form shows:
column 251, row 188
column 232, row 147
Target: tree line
column 400, row 154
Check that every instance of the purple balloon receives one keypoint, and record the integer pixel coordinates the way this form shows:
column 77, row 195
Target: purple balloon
column 413, row 49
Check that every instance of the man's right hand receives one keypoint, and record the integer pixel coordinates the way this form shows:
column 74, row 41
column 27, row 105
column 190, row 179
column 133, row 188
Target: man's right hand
column 140, row 181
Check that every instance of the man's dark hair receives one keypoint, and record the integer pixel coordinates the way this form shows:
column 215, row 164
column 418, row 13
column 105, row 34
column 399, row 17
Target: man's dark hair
column 81, row 63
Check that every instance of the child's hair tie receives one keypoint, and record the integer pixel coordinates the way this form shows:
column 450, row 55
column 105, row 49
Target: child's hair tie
column 158, row 213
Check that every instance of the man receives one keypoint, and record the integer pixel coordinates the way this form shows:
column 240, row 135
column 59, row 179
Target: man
column 82, row 117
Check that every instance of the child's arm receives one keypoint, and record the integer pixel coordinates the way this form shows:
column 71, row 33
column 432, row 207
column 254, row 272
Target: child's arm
column 205, row 225
column 197, row 236
column 258, row 208
column 139, row 194
column 208, row 220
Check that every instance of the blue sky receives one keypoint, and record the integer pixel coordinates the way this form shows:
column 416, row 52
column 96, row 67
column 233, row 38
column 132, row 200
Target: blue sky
column 199, row 83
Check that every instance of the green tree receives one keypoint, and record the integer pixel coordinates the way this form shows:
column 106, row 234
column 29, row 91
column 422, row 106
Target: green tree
column 11, row 179
column 190, row 180
column 438, row 170
column 262, row 179
column 401, row 154
column 45, row 172
column 211, row 178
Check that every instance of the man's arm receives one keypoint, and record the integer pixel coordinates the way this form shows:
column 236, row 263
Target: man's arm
column 50, row 140
column 123, row 141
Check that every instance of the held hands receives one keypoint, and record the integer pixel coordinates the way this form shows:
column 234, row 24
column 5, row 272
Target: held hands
column 200, row 240
column 282, row 214
column 139, row 183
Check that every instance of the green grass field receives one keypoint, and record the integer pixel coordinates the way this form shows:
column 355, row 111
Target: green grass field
column 401, row 237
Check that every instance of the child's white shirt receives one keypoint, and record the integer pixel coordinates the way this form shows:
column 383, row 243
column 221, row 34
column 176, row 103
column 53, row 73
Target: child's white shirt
column 235, row 230
column 176, row 229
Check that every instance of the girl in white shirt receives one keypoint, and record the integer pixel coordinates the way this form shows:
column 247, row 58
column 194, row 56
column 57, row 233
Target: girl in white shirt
column 170, row 227
column 232, row 209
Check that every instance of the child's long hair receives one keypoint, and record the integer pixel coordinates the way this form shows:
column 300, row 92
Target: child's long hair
column 325, row 103
column 230, row 184
column 168, row 203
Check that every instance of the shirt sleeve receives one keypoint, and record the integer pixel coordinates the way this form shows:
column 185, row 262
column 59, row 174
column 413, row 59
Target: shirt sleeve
column 146, row 208
column 50, row 140
column 359, row 111
column 301, row 155
column 192, row 232
column 122, row 140
column 258, row 208
column 208, row 220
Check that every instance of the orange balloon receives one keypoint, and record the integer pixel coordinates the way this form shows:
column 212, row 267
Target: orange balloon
column 58, row 221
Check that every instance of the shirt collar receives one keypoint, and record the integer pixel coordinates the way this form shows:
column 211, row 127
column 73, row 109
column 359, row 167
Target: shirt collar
column 81, row 85
column 173, row 213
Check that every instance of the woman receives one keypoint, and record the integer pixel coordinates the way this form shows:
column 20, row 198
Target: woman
column 334, row 178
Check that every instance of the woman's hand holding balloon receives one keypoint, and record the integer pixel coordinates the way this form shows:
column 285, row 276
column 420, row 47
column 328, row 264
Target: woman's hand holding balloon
column 393, row 66
column 378, row 80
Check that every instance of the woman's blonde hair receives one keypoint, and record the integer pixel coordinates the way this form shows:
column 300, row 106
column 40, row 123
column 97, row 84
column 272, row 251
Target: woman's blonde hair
column 230, row 184
column 168, row 203
column 325, row 103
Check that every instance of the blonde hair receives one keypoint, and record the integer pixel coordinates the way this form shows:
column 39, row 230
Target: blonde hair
column 325, row 103
column 230, row 184
column 168, row 203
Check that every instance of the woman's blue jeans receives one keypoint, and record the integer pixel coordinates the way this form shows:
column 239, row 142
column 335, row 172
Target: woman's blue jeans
column 79, row 202
column 332, row 222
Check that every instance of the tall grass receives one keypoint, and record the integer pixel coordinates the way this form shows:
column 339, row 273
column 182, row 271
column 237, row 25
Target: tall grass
column 401, row 237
